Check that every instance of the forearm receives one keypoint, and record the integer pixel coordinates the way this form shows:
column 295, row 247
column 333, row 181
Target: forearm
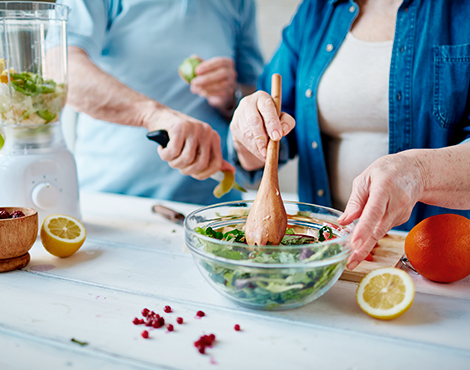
column 102, row 96
column 445, row 175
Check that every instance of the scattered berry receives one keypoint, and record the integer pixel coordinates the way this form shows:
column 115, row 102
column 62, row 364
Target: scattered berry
column 167, row 309
column 237, row 327
column 179, row 320
column 200, row 314
column 136, row 321
column 161, row 320
column 203, row 342
column 170, row 327
column 145, row 312
column 145, row 334
column 17, row 214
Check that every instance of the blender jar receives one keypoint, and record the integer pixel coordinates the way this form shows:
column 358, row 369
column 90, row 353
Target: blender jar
column 36, row 168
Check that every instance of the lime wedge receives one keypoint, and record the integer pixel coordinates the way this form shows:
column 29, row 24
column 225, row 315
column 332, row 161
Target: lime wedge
column 186, row 69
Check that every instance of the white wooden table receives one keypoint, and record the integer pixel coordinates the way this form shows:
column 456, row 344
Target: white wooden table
column 133, row 259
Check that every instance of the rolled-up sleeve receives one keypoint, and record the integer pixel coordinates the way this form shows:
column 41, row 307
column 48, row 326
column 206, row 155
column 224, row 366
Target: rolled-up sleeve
column 87, row 25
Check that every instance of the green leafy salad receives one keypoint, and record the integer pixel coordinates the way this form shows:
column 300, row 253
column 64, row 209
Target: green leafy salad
column 294, row 283
column 28, row 99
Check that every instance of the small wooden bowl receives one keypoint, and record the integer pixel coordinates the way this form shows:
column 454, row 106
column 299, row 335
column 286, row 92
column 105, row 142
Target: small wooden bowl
column 17, row 236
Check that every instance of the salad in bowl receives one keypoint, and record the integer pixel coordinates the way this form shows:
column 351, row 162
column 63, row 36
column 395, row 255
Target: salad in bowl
column 309, row 260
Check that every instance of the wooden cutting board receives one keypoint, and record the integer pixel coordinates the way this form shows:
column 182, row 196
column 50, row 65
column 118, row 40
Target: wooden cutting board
column 391, row 248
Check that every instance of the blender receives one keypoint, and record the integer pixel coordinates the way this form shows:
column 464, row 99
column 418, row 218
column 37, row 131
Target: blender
column 36, row 168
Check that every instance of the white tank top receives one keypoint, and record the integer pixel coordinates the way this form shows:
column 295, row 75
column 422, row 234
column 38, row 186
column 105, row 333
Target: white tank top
column 353, row 112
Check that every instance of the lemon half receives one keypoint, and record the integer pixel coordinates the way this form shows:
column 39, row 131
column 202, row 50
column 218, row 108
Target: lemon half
column 385, row 293
column 62, row 235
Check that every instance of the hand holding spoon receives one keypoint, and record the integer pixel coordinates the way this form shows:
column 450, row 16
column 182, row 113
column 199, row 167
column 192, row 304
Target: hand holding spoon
column 267, row 220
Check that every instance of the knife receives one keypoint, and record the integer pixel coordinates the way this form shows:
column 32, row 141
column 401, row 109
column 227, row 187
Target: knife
column 161, row 137
column 173, row 216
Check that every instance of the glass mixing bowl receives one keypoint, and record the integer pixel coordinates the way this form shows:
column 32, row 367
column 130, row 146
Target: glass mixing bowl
column 275, row 276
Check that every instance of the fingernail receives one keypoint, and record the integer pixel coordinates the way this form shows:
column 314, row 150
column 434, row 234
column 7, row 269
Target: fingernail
column 285, row 128
column 342, row 217
column 276, row 136
column 352, row 265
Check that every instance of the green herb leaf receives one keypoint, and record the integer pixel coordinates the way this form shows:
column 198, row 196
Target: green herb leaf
column 79, row 342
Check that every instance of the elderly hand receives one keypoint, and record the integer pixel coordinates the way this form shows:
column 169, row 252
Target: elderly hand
column 216, row 80
column 194, row 147
column 382, row 197
column 254, row 121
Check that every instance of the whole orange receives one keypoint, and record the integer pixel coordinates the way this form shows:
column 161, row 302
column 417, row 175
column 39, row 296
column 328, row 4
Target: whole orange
column 439, row 248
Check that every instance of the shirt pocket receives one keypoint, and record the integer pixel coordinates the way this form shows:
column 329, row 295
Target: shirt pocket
column 451, row 83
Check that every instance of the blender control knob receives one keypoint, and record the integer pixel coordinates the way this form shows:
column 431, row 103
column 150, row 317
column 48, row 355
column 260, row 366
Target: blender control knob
column 45, row 195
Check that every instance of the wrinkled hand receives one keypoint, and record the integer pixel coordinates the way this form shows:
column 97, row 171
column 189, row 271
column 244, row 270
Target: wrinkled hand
column 254, row 121
column 216, row 80
column 382, row 197
column 194, row 147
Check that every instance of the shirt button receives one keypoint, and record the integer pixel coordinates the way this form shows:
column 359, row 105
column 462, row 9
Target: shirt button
column 399, row 96
column 329, row 47
column 402, row 49
column 321, row 192
column 352, row 9
column 308, row 93
column 314, row 145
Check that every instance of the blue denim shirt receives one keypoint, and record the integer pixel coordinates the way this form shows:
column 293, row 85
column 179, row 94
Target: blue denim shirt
column 429, row 102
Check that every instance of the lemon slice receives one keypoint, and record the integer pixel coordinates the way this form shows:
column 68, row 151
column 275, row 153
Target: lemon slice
column 62, row 235
column 225, row 185
column 385, row 293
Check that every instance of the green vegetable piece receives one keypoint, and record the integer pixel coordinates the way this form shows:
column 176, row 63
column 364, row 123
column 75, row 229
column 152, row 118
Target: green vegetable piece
column 46, row 115
column 321, row 237
column 79, row 342
column 186, row 69
column 2, row 141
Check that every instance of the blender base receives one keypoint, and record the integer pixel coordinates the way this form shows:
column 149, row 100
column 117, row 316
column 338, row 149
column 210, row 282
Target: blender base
column 16, row 263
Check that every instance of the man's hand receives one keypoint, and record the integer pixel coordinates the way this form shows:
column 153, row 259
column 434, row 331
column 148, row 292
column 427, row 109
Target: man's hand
column 194, row 148
column 216, row 80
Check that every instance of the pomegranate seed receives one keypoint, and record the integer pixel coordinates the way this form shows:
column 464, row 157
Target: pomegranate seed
column 237, row 327
column 141, row 321
column 179, row 320
column 203, row 342
column 148, row 323
column 156, row 324
column 145, row 312
column 161, row 320
column 167, row 309
column 145, row 334
column 136, row 321
column 200, row 314
column 170, row 327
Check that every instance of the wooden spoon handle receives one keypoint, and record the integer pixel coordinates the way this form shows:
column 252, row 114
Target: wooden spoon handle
column 272, row 153
column 276, row 83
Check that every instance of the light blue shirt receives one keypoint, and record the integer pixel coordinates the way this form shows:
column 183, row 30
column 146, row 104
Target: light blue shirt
column 142, row 43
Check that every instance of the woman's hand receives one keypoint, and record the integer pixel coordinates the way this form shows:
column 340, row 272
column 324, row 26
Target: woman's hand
column 216, row 80
column 254, row 121
column 382, row 197
column 194, row 147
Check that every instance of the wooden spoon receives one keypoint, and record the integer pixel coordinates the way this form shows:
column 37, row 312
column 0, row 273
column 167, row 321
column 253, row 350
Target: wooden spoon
column 267, row 220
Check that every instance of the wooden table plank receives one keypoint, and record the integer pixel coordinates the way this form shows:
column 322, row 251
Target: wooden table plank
column 132, row 259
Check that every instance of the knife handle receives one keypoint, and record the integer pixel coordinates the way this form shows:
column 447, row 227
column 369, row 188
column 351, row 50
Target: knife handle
column 160, row 136
column 168, row 213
